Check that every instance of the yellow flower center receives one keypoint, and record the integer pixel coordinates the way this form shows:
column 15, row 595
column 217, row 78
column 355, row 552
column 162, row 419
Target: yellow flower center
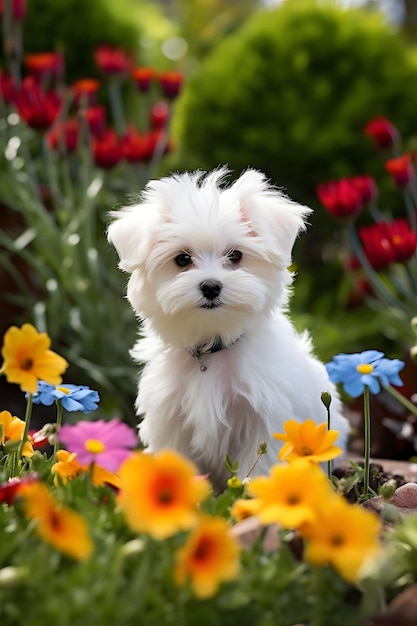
column 306, row 451
column 63, row 389
column 94, row 446
column 364, row 368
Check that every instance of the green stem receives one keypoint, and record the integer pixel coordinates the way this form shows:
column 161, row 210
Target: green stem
column 402, row 399
column 367, row 438
column 28, row 415
column 329, row 463
column 319, row 589
column 59, row 413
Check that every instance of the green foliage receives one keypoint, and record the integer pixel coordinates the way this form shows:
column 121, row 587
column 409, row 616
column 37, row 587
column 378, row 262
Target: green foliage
column 77, row 27
column 290, row 92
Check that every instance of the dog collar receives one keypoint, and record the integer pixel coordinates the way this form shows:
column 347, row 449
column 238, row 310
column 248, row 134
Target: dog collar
column 201, row 350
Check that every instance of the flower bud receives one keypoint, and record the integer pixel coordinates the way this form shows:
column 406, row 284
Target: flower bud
column 234, row 482
column 388, row 489
column 326, row 398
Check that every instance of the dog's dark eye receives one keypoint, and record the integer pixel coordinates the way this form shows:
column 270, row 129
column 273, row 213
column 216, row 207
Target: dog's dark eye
column 183, row 259
column 234, row 256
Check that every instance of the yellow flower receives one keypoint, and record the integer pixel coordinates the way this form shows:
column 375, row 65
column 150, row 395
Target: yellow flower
column 307, row 440
column 209, row 557
column 290, row 494
column 243, row 508
column 345, row 536
column 160, row 493
column 27, row 358
column 62, row 528
column 12, row 430
column 67, row 467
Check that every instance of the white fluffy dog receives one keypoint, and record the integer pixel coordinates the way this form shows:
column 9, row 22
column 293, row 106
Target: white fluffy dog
column 224, row 367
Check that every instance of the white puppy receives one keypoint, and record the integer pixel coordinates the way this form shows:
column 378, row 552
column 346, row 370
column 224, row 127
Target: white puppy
column 224, row 367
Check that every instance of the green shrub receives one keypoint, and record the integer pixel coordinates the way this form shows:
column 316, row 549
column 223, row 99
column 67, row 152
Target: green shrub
column 290, row 92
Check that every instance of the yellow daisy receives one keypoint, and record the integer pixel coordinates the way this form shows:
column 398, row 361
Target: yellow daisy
column 343, row 535
column 307, row 440
column 28, row 359
column 160, row 493
column 62, row 528
column 209, row 557
column 289, row 495
column 12, row 430
column 68, row 468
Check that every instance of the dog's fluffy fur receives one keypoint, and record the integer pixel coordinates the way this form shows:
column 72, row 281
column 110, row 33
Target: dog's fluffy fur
column 209, row 278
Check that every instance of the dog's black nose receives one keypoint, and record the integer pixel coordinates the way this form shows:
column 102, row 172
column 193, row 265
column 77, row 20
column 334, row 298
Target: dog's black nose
column 210, row 289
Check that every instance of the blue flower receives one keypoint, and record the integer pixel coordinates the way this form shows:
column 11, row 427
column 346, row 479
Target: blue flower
column 73, row 397
column 364, row 369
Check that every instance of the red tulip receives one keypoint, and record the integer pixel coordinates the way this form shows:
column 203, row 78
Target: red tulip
column 107, row 150
column 64, row 135
column 401, row 169
column 96, row 119
column 171, row 83
column 37, row 108
column 43, row 64
column 159, row 114
column 341, row 198
column 404, row 240
column 382, row 132
column 377, row 244
column 85, row 90
column 112, row 61
column 143, row 77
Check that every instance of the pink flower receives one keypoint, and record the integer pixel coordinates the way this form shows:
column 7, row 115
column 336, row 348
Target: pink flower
column 106, row 443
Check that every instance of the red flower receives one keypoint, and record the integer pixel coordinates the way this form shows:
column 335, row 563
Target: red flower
column 107, row 150
column 112, row 61
column 43, row 64
column 341, row 198
column 377, row 244
column 403, row 239
column 85, row 90
column 159, row 114
column 64, row 135
column 143, row 77
column 135, row 147
column 171, row 83
column 36, row 107
column 9, row 490
column 401, row 169
column 18, row 9
column 96, row 119
column 38, row 440
column 382, row 132
column 366, row 186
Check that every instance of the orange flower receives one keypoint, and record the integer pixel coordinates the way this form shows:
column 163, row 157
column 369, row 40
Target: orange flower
column 160, row 493
column 345, row 536
column 68, row 468
column 210, row 556
column 12, row 430
column 307, row 440
column 290, row 495
column 27, row 358
column 62, row 528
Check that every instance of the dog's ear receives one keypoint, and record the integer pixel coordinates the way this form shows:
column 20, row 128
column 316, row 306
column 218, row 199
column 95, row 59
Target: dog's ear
column 126, row 233
column 269, row 213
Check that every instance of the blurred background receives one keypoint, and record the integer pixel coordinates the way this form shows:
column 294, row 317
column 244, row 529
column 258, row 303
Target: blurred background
column 99, row 97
